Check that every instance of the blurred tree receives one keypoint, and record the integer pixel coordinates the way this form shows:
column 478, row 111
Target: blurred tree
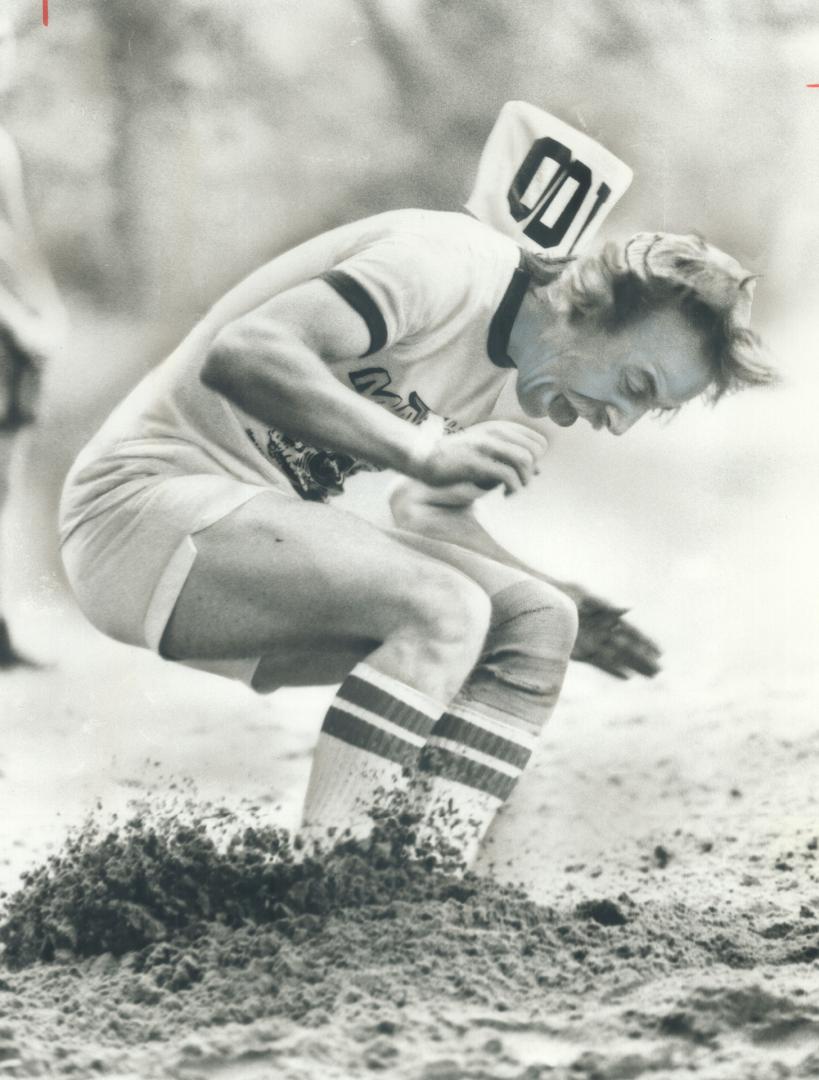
column 170, row 65
column 692, row 93
column 173, row 145
column 449, row 73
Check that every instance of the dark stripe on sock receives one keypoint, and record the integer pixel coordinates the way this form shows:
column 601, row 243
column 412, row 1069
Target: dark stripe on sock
column 441, row 762
column 367, row 696
column 462, row 731
column 351, row 729
column 360, row 300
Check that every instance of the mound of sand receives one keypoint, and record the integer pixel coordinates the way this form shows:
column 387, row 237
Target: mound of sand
column 179, row 945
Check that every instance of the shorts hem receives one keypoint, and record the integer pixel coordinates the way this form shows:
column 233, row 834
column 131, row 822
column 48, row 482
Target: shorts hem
column 173, row 577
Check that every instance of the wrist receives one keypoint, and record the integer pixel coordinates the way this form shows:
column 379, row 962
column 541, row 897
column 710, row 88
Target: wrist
column 419, row 449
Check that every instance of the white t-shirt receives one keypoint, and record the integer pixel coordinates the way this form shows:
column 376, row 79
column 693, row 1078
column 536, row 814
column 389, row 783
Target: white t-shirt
column 439, row 293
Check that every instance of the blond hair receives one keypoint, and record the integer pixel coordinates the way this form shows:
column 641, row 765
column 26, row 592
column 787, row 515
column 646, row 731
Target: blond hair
column 650, row 270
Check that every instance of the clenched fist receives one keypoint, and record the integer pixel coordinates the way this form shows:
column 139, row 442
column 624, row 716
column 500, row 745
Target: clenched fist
column 484, row 456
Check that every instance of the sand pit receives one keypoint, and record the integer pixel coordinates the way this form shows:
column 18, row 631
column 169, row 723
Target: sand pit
column 194, row 942
column 666, row 921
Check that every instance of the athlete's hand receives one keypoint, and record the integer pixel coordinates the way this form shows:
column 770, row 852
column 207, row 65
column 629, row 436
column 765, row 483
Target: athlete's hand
column 487, row 455
column 607, row 641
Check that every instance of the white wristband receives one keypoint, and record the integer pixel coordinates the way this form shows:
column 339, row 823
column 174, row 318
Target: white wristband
column 427, row 435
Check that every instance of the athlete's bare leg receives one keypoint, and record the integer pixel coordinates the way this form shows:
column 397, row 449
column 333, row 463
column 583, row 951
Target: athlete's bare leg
column 294, row 662
column 313, row 591
column 483, row 740
column 288, row 579
column 309, row 588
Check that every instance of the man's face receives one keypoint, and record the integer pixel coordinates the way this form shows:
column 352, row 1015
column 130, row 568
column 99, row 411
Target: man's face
column 611, row 379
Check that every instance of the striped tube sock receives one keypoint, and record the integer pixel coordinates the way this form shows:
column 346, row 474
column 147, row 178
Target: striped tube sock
column 473, row 760
column 483, row 742
column 371, row 738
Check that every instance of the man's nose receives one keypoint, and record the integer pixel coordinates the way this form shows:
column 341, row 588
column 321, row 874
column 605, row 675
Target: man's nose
column 621, row 419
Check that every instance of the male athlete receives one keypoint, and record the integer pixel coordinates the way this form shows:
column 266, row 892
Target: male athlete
column 198, row 522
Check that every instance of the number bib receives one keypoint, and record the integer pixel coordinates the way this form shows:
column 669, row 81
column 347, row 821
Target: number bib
column 543, row 183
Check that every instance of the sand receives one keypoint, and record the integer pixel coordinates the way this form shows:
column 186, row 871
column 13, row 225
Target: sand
column 667, row 920
column 237, row 965
column 168, row 947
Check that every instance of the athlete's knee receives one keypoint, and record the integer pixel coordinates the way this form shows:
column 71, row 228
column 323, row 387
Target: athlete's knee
column 537, row 616
column 450, row 610
column 527, row 649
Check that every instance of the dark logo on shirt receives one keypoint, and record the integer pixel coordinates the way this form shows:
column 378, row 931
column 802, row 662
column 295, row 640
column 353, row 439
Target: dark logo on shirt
column 372, row 382
column 317, row 474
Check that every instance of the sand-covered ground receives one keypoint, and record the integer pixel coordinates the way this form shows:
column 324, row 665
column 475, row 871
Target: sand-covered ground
column 665, row 840
column 667, row 843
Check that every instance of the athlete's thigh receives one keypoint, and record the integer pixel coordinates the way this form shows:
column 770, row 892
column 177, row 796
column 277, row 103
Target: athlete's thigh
column 279, row 570
column 491, row 575
column 317, row 659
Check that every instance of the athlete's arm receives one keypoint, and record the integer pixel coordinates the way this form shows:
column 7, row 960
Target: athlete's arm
column 604, row 638
column 273, row 363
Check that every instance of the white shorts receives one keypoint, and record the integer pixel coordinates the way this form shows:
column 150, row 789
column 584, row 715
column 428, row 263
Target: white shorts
column 127, row 565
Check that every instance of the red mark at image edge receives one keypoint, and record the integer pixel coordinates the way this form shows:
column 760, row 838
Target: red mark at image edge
column 45, row 12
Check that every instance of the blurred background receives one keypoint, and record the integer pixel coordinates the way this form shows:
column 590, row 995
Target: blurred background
column 171, row 146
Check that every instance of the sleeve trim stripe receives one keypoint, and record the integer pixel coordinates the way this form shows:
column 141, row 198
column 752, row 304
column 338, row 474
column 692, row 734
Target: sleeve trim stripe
column 360, row 301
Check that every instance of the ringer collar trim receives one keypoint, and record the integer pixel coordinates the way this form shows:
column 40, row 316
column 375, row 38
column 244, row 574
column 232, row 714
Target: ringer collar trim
column 500, row 329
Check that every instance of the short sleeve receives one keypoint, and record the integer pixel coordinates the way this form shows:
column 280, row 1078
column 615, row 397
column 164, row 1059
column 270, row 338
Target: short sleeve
column 401, row 286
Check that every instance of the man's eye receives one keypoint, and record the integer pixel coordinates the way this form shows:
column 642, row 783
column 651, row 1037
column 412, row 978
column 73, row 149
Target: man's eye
column 637, row 389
